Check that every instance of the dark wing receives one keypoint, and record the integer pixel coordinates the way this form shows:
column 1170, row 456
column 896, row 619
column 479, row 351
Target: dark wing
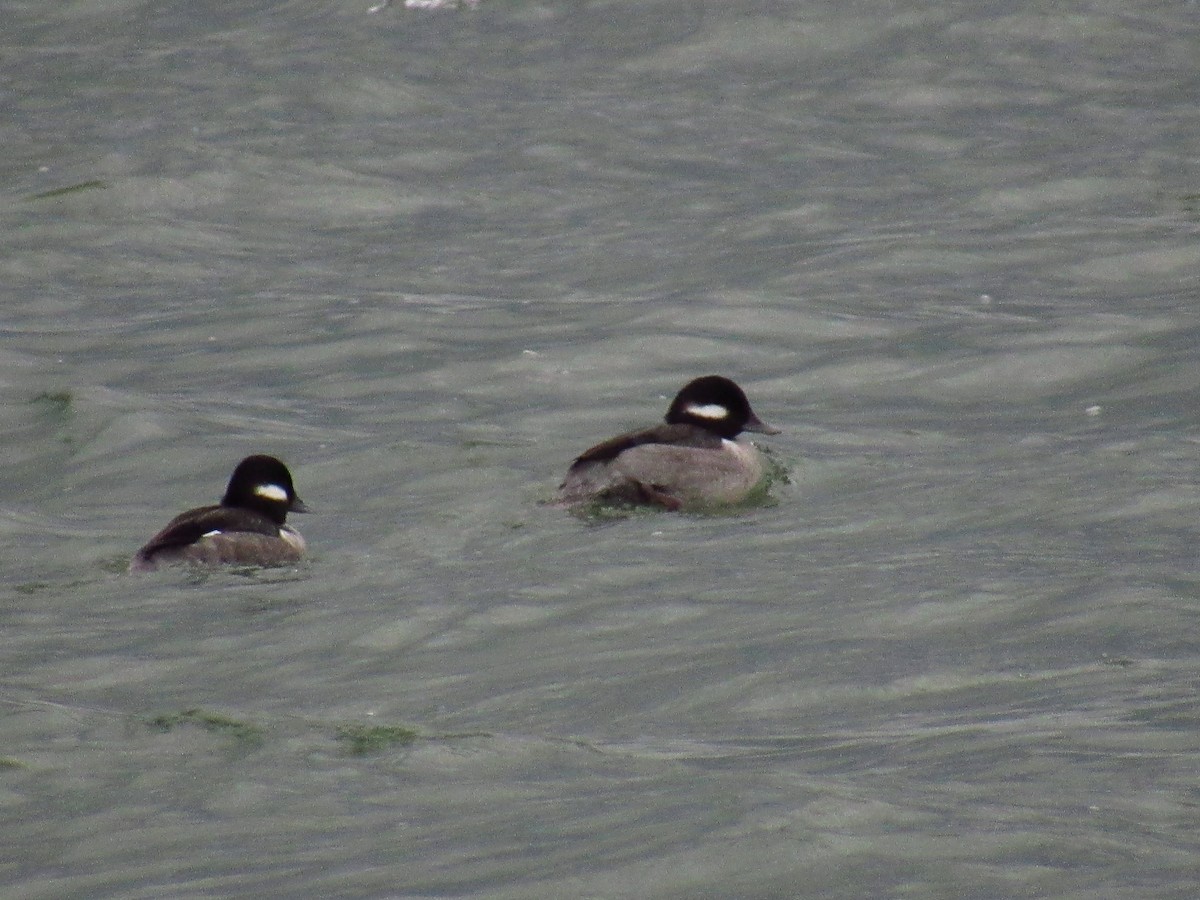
column 681, row 435
column 187, row 528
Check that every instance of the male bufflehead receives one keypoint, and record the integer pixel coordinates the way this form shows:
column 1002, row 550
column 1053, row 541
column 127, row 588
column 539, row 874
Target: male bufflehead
column 694, row 460
column 247, row 528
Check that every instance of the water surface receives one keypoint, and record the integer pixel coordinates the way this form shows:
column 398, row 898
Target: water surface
column 427, row 257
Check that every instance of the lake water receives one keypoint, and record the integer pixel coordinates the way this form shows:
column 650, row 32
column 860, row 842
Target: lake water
column 427, row 256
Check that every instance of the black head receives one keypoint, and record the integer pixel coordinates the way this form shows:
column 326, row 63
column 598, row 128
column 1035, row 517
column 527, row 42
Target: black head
column 717, row 405
column 264, row 484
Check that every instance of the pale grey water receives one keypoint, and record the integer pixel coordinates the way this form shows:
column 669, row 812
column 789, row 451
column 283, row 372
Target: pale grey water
column 427, row 257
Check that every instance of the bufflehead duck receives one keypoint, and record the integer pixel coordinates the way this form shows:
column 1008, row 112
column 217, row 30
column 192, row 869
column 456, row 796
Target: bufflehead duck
column 246, row 528
column 694, row 460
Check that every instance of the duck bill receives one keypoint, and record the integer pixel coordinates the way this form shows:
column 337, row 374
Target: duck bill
column 298, row 506
column 755, row 424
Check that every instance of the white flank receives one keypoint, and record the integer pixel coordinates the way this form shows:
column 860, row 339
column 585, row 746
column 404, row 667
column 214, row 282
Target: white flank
column 271, row 492
column 708, row 410
column 212, row 533
column 744, row 452
column 293, row 537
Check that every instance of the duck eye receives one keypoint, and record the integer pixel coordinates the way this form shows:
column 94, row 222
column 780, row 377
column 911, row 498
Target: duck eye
column 707, row 410
column 271, row 492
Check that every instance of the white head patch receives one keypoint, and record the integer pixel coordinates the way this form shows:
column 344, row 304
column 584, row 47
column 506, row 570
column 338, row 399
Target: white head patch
column 707, row 410
column 212, row 533
column 271, row 492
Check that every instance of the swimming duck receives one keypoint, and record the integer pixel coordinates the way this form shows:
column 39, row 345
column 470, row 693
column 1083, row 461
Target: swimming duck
column 247, row 527
column 693, row 460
